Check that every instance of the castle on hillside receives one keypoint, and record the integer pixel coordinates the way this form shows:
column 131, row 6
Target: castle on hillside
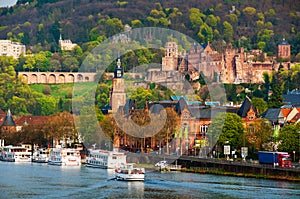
column 66, row 44
column 233, row 66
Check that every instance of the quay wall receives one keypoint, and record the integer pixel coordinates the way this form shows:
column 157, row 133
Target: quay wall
column 221, row 166
column 238, row 167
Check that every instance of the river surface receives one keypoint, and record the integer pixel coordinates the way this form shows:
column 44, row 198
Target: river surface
column 33, row 180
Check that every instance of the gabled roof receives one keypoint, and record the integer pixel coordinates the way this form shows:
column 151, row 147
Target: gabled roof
column 273, row 115
column 208, row 113
column 9, row 121
column 180, row 105
column 296, row 118
column 164, row 104
column 156, row 108
column 205, row 113
column 286, row 111
column 244, row 109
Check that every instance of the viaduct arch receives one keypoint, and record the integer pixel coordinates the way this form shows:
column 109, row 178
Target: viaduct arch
column 56, row 77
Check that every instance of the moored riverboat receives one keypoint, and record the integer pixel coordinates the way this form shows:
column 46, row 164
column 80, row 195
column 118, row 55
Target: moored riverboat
column 105, row 159
column 6, row 156
column 15, row 154
column 40, row 155
column 64, row 157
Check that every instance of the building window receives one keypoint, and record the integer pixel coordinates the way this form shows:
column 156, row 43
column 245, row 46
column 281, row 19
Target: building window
column 185, row 116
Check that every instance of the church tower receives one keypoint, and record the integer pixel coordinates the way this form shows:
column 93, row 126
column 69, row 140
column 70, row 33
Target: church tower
column 118, row 95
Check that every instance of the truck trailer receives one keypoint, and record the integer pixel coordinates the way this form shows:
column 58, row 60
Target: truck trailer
column 281, row 159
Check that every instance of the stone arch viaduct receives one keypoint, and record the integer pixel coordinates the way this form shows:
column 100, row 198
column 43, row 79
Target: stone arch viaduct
column 56, row 77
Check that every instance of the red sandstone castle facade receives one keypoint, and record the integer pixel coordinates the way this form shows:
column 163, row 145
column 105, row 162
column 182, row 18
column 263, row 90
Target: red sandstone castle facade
column 232, row 66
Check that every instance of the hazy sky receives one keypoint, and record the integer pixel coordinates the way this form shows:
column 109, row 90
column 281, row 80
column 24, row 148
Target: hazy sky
column 5, row 3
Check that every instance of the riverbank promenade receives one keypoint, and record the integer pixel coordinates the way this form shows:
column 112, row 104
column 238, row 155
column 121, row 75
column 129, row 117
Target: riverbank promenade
column 222, row 167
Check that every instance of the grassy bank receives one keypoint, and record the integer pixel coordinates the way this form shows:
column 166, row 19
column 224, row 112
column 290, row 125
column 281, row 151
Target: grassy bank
column 63, row 90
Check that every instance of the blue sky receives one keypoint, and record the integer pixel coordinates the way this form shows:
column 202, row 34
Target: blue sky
column 5, row 3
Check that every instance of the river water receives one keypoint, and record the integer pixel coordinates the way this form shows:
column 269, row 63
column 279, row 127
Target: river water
column 33, row 180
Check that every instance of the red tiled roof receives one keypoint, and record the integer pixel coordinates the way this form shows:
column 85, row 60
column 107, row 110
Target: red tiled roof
column 32, row 120
column 286, row 111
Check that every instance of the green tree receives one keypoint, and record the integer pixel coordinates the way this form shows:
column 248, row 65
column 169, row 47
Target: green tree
column 259, row 104
column 29, row 63
column 54, row 65
column 212, row 20
column 48, row 105
column 276, row 98
column 88, row 126
column 259, row 135
column 226, row 127
column 289, row 138
column 136, row 23
column 113, row 26
column 70, row 64
column 261, row 45
column 141, row 96
column 196, row 17
column 42, row 60
column 227, row 31
column 102, row 95
column 12, row 90
column 249, row 11
column 205, row 33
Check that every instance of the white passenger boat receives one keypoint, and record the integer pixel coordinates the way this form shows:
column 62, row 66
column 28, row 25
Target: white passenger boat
column 40, row 155
column 128, row 172
column 64, row 157
column 15, row 154
column 105, row 159
column 6, row 156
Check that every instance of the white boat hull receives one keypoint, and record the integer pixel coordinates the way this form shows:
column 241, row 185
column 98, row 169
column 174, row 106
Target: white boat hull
column 129, row 173
column 56, row 163
column 130, row 177
column 22, row 159
column 96, row 166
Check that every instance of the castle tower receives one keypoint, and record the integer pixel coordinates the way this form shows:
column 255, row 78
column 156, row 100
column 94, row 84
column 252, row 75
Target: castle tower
column 170, row 60
column 284, row 50
column 118, row 95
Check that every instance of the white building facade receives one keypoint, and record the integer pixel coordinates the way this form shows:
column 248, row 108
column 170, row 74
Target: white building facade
column 9, row 48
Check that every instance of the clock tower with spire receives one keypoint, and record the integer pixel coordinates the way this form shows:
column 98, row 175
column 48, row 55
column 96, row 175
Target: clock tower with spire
column 118, row 95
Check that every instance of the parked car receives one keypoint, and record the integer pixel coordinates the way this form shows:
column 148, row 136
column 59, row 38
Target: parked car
column 161, row 163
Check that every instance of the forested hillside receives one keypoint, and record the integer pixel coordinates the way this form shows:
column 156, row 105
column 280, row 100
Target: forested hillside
column 39, row 23
column 252, row 24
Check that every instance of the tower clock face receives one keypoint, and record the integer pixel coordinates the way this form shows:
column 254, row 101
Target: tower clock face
column 119, row 73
